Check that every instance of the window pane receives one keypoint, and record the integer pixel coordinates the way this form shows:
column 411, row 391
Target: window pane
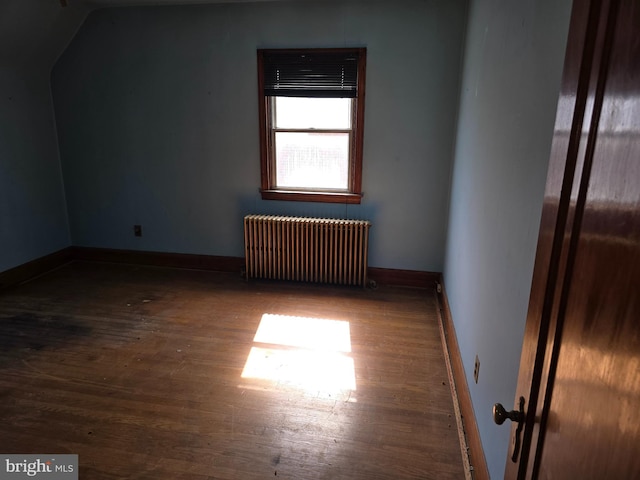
column 302, row 112
column 312, row 160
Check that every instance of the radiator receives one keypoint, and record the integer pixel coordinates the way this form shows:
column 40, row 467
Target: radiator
column 306, row 249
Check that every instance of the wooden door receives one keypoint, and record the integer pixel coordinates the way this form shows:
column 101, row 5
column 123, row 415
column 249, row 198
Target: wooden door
column 580, row 364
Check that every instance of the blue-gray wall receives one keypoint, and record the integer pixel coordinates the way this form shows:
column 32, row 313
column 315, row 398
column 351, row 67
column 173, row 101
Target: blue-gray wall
column 33, row 213
column 511, row 77
column 157, row 117
column 32, row 206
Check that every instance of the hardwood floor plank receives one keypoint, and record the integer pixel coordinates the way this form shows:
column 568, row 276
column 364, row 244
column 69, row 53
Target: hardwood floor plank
column 139, row 371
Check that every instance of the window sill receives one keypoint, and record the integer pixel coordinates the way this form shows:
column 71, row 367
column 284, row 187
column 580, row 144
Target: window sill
column 298, row 196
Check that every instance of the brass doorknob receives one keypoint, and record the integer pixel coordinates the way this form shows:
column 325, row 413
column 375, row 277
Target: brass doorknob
column 500, row 414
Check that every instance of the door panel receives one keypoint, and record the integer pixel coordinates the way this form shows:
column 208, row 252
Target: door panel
column 593, row 425
column 566, row 158
column 580, row 367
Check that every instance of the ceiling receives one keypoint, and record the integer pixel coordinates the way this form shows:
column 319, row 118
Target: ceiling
column 120, row 3
column 33, row 33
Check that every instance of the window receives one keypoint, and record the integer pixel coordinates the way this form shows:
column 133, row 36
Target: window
column 311, row 124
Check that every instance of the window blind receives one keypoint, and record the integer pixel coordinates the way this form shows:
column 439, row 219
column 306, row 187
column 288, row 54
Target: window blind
column 315, row 74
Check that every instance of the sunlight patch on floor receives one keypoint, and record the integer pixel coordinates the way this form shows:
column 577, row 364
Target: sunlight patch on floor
column 308, row 353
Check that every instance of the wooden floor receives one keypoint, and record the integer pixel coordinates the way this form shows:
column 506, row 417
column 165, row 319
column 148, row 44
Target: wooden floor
column 143, row 373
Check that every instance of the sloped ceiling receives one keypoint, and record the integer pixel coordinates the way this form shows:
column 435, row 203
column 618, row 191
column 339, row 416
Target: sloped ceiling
column 113, row 3
column 33, row 33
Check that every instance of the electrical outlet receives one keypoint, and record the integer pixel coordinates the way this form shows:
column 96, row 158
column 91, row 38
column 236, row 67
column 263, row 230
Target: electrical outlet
column 476, row 369
column 137, row 230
